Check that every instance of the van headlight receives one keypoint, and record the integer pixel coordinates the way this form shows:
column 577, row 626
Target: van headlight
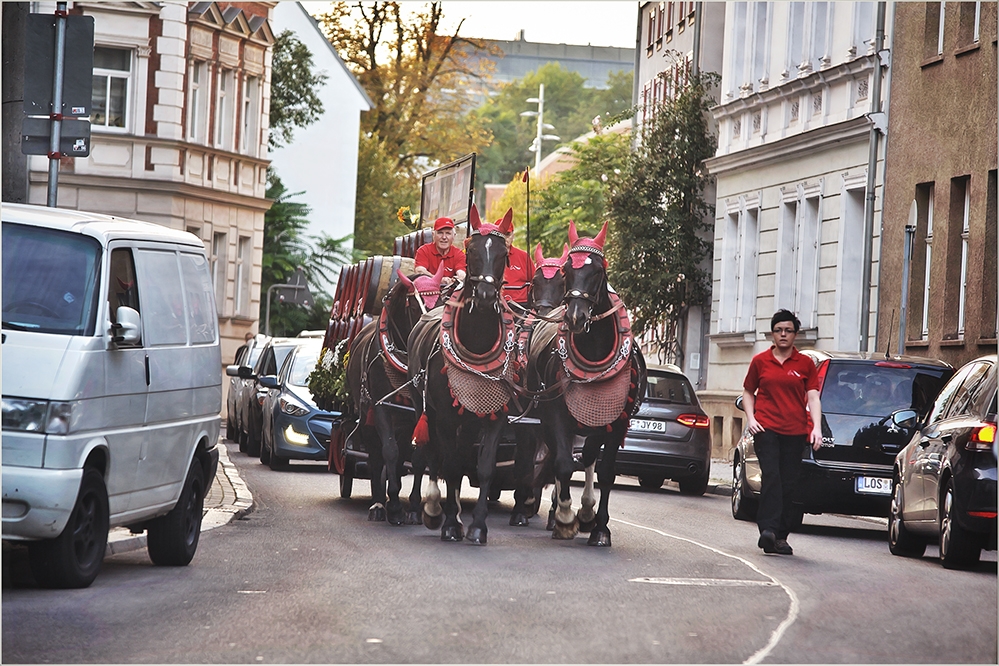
column 41, row 416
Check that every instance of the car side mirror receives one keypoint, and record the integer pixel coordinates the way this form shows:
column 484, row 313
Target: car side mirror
column 127, row 329
column 269, row 381
column 905, row 418
column 738, row 403
column 232, row 370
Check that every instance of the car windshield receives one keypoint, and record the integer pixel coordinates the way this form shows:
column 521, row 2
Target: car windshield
column 872, row 390
column 669, row 388
column 49, row 280
column 302, row 365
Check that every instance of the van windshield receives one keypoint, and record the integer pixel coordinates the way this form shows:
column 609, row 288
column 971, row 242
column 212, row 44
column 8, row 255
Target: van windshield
column 49, row 280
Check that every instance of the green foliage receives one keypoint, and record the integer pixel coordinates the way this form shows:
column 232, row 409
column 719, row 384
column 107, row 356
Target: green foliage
column 294, row 102
column 381, row 191
column 328, row 380
column 659, row 252
column 569, row 107
column 285, row 249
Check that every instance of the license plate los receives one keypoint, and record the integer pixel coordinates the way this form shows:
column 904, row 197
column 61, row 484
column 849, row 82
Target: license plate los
column 648, row 426
column 873, row 485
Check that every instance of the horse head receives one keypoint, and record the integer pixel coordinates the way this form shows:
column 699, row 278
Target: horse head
column 485, row 259
column 548, row 283
column 416, row 295
column 585, row 279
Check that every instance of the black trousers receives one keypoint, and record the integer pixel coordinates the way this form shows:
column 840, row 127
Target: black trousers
column 780, row 467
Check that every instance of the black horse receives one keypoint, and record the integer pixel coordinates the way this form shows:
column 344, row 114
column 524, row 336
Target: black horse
column 377, row 378
column 591, row 356
column 463, row 358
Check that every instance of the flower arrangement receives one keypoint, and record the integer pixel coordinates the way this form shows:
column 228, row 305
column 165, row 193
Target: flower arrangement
column 407, row 217
column 328, row 380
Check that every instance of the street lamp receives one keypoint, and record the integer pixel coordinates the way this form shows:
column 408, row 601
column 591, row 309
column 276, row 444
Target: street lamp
column 542, row 127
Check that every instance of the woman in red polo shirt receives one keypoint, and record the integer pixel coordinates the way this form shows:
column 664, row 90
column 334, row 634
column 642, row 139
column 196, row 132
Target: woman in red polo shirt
column 780, row 384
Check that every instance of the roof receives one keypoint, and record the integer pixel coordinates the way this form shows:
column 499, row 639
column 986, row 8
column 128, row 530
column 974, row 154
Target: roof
column 665, row 367
column 822, row 355
column 357, row 84
column 98, row 225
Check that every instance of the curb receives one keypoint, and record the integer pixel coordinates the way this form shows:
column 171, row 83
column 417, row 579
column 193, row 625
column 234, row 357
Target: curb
column 121, row 539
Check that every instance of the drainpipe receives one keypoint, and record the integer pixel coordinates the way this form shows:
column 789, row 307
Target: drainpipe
column 910, row 234
column 879, row 123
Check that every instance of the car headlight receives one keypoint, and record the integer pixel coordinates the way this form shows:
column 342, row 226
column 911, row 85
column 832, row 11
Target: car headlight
column 292, row 407
column 41, row 416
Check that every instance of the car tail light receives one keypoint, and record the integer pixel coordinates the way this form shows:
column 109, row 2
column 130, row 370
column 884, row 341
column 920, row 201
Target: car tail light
column 893, row 364
column 982, row 514
column 982, row 437
column 693, row 420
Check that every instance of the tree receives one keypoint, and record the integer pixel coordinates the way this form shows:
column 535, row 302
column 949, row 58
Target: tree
column 285, row 249
column 381, row 191
column 294, row 102
column 659, row 259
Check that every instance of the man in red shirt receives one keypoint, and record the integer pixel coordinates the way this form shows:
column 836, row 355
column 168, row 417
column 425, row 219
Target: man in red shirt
column 441, row 250
column 779, row 385
column 518, row 274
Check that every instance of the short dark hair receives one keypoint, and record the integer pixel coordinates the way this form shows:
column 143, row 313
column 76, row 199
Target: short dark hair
column 784, row 315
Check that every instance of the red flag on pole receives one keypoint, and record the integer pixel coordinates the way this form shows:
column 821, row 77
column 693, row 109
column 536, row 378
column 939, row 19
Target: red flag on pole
column 527, row 176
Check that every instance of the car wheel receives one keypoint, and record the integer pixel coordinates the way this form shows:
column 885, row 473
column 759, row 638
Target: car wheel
column 242, row 439
column 277, row 462
column 901, row 541
column 959, row 549
column 695, row 485
column 347, row 479
column 337, row 454
column 651, row 481
column 230, row 427
column 253, row 442
column 743, row 506
column 265, row 451
column 173, row 539
column 73, row 559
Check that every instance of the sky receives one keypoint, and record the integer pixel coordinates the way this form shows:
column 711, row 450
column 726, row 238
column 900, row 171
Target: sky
column 593, row 22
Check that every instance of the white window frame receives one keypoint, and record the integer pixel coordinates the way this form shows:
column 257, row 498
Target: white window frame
column 219, row 266
column 978, row 23
column 808, row 253
column 200, row 94
column 925, row 328
column 740, row 267
column 249, row 139
column 863, row 25
column 116, row 74
column 965, row 226
column 940, row 29
column 849, row 287
column 244, row 270
column 225, row 95
column 787, row 244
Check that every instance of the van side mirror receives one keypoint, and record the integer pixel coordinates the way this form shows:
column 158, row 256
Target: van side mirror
column 127, row 329
column 738, row 403
column 905, row 418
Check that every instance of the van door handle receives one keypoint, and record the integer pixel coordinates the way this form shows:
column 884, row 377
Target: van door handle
column 147, row 369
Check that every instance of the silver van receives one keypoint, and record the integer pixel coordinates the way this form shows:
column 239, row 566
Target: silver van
column 112, row 388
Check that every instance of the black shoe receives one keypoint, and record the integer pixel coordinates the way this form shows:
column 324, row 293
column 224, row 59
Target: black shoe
column 768, row 541
column 783, row 548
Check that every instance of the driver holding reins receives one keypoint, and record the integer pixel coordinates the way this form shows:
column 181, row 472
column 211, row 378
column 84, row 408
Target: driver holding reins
column 441, row 251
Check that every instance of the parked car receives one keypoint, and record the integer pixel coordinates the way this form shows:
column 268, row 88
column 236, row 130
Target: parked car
column 851, row 473
column 273, row 354
column 246, row 357
column 111, row 388
column 944, row 481
column 668, row 437
column 293, row 427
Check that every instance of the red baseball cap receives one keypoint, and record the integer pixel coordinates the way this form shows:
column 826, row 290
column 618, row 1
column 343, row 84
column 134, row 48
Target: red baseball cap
column 443, row 223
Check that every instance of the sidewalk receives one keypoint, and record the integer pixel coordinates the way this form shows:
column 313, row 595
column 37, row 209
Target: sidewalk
column 227, row 499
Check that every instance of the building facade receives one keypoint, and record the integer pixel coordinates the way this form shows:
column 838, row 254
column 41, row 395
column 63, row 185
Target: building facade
column 791, row 169
column 940, row 173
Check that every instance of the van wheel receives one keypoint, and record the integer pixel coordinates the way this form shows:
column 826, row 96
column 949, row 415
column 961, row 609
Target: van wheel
column 73, row 559
column 172, row 539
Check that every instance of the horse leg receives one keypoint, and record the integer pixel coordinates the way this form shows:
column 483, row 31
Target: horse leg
column 376, row 473
column 586, row 515
column 523, row 467
column 566, row 524
column 419, row 461
column 485, row 466
column 390, row 463
column 554, row 505
column 600, row 534
column 452, row 529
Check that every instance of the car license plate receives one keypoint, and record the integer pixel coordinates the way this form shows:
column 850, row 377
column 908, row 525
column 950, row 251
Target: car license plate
column 873, row 485
column 648, row 426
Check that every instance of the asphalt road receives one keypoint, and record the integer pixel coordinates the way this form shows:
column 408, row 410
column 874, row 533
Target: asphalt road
column 306, row 578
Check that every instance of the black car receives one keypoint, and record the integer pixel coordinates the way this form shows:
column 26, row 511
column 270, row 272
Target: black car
column 944, row 482
column 273, row 354
column 668, row 438
column 851, row 474
column 246, row 357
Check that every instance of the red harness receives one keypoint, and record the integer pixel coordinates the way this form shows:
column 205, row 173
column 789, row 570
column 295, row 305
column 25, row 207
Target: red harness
column 579, row 369
column 491, row 362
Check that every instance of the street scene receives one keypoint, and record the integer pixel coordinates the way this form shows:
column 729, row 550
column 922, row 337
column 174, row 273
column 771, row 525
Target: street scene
column 452, row 332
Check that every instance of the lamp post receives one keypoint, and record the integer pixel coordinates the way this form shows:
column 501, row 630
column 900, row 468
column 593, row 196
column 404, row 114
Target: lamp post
column 542, row 127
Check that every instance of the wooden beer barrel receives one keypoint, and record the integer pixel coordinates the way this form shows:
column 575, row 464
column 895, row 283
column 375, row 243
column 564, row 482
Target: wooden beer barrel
column 382, row 278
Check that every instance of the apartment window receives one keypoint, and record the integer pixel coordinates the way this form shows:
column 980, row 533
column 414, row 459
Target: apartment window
column 749, row 48
column 244, row 267
column 787, row 244
column 669, row 16
column 820, row 34
column 934, row 30
column 795, row 39
column 922, row 256
column 661, row 24
column 740, row 250
column 961, row 206
column 849, row 287
column 251, row 113
column 807, row 262
column 652, row 31
column 863, row 27
column 224, row 109
column 197, row 110
column 989, row 322
column 111, row 82
column 969, row 23
column 220, row 260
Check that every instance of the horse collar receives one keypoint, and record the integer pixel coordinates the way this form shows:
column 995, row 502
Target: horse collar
column 493, row 361
column 579, row 369
column 388, row 348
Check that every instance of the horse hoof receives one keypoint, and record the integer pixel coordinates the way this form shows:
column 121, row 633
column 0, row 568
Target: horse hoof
column 587, row 525
column 452, row 534
column 477, row 535
column 565, row 532
column 413, row 518
column 432, row 522
column 518, row 520
column 376, row 514
column 599, row 538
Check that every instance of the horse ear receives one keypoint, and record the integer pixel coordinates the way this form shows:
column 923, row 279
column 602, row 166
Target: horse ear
column 439, row 275
column 406, row 281
column 599, row 240
column 538, row 256
column 565, row 252
column 506, row 226
column 473, row 218
column 573, row 236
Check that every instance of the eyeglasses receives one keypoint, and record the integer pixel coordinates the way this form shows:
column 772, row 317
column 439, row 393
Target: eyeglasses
column 784, row 331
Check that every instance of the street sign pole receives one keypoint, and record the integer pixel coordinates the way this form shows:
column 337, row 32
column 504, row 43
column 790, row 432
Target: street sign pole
column 56, row 138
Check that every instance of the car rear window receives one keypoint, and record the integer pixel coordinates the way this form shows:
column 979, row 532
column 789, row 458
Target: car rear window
column 872, row 390
column 669, row 388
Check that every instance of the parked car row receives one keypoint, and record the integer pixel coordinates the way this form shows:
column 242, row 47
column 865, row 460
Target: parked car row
column 905, row 438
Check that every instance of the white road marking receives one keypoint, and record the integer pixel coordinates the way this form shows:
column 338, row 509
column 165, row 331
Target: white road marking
column 705, row 582
column 792, row 612
column 251, row 591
